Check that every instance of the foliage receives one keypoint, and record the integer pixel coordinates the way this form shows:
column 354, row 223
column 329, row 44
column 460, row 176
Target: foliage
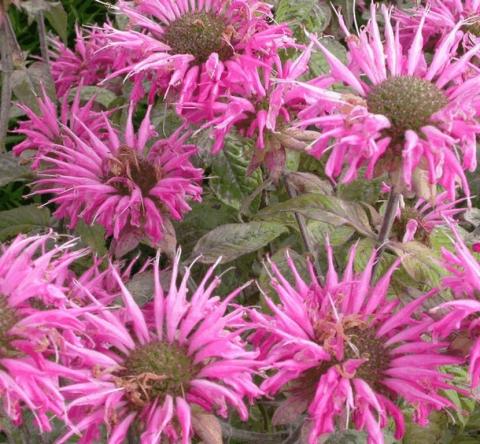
column 245, row 217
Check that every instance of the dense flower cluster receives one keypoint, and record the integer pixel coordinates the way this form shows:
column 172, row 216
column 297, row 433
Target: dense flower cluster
column 127, row 349
column 131, row 189
column 191, row 49
column 343, row 346
column 410, row 116
column 152, row 365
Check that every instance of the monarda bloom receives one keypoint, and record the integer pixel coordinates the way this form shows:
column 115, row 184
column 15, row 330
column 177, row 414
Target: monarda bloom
column 86, row 64
column 133, row 184
column 460, row 323
column 443, row 16
column 33, row 317
column 45, row 130
column 409, row 116
column 189, row 48
column 259, row 104
column 418, row 220
column 154, row 368
column 344, row 349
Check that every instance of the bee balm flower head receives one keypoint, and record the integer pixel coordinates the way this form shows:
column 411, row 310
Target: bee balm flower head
column 345, row 348
column 158, row 365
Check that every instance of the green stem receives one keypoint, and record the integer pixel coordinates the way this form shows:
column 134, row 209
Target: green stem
column 7, row 69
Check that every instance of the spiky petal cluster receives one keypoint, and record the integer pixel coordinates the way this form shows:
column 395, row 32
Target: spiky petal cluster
column 259, row 104
column 190, row 48
column 45, row 130
column 443, row 16
column 461, row 323
column 153, row 365
column 418, row 221
column 345, row 349
column 133, row 184
column 33, row 311
column 412, row 117
column 86, row 64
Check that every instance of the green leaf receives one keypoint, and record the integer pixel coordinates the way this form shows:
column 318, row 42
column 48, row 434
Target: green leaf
column 420, row 262
column 234, row 240
column 204, row 217
column 436, row 432
column 27, row 84
column 311, row 14
column 347, row 437
column 328, row 209
column 337, row 235
column 103, row 96
column 53, row 12
column 230, row 182
column 57, row 17
column 361, row 190
column 23, row 220
column 11, row 170
column 93, row 236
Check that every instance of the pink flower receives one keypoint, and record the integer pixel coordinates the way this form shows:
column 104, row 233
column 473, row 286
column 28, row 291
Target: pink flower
column 190, row 48
column 441, row 17
column 259, row 104
column 417, row 221
column 131, row 188
column 87, row 64
column 460, row 321
column 407, row 116
column 46, row 130
column 343, row 348
column 33, row 317
column 154, row 367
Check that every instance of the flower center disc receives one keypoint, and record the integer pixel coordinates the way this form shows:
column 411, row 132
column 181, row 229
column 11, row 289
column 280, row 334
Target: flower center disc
column 472, row 26
column 128, row 165
column 155, row 370
column 362, row 344
column 8, row 318
column 199, row 34
column 408, row 102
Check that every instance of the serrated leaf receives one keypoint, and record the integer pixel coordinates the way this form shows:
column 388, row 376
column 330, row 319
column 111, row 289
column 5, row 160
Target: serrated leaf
column 58, row 19
column 328, row 209
column 11, row 170
column 230, row 182
column 234, row 240
column 93, row 236
column 23, row 220
column 103, row 96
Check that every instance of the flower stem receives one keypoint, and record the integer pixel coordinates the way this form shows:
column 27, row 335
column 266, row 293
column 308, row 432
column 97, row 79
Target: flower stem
column 304, row 231
column 7, row 69
column 387, row 224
